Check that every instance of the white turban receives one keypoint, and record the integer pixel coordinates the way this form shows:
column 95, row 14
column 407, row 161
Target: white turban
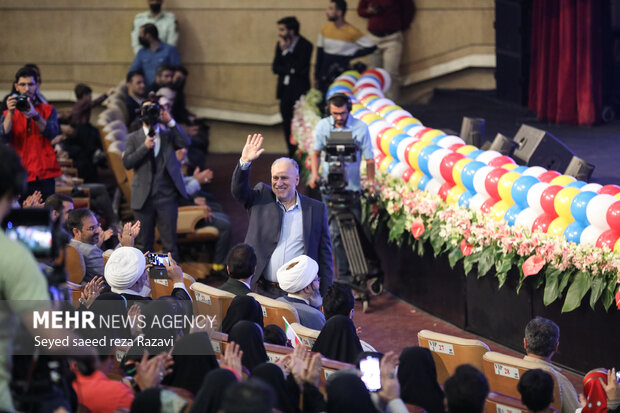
column 297, row 274
column 124, row 267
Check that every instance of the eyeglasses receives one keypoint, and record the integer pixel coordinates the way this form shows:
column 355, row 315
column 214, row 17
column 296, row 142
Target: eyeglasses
column 93, row 227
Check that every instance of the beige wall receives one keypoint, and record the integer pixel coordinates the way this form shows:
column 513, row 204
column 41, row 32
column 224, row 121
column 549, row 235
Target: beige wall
column 228, row 46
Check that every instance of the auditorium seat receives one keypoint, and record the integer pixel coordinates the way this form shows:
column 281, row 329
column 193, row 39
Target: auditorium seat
column 308, row 336
column 164, row 287
column 74, row 264
column 274, row 310
column 218, row 342
column 115, row 125
column 75, row 291
column 449, row 352
column 276, row 352
column 211, row 301
column 503, row 373
column 500, row 403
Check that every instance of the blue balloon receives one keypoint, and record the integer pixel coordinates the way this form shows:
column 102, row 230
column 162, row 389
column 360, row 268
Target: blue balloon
column 474, row 154
column 520, row 169
column 368, row 103
column 411, row 126
column 511, row 215
column 437, row 138
column 573, row 231
column 392, row 165
column 465, row 198
column 394, row 143
column 338, row 89
column 521, row 187
column 425, row 153
column 468, row 172
column 423, row 181
column 578, row 207
column 576, row 184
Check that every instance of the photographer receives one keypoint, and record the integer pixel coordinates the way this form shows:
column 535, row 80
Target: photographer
column 157, row 182
column 339, row 108
column 28, row 125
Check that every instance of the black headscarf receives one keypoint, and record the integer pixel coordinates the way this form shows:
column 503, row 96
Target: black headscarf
column 347, row 393
column 418, row 380
column 287, row 397
column 193, row 358
column 211, row 394
column 242, row 307
column 249, row 336
column 338, row 340
column 157, row 400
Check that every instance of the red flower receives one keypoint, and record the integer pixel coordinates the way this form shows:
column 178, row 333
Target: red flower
column 618, row 299
column 466, row 248
column 417, row 228
column 533, row 265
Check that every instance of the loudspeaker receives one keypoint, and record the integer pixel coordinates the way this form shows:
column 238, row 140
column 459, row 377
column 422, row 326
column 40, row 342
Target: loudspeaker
column 503, row 144
column 472, row 130
column 580, row 169
column 536, row 147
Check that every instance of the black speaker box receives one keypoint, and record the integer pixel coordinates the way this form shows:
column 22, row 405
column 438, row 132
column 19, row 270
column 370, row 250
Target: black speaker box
column 580, row 169
column 472, row 131
column 503, row 144
column 537, row 147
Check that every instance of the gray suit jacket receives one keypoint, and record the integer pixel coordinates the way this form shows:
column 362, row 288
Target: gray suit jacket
column 266, row 222
column 235, row 287
column 136, row 157
column 93, row 259
column 308, row 316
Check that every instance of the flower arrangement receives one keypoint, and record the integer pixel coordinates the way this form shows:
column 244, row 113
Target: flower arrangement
column 306, row 115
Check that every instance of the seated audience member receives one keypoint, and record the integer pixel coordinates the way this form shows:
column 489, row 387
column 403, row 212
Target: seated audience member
column 127, row 275
column 275, row 335
column 211, row 394
column 286, row 389
column 541, row 341
column 153, row 53
column 250, row 396
column 249, row 336
column 158, row 400
column 338, row 340
column 601, row 392
column 242, row 307
column 60, row 206
column 466, row 390
column 166, row 23
column 338, row 300
column 136, row 93
column 536, row 388
column 299, row 278
column 163, row 78
column 240, row 265
column 418, row 379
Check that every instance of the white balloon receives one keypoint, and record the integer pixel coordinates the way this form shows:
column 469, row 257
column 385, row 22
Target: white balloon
column 416, row 129
column 590, row 235
column 361, row 94
column 401, row 148
column 398, row 169
column 376, row 104
column 432, row 187
column 395, row 114
column 488, row 156
column 591, row 187
column 387, row 80
column 476, row 201
column 434, row 163
column 479, row 178
column 377, row 127
column 535, row 171
column 596, row 211
column 449, row 141
column 361, row 112
column 534, row 195
column 526, row 218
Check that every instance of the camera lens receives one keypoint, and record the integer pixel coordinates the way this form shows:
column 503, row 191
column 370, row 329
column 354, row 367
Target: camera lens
column 22, row 103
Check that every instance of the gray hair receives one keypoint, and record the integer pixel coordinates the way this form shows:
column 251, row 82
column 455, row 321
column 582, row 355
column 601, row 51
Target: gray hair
column 542, row 336
column 290, row 160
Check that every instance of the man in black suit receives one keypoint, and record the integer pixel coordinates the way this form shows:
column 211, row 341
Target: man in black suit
column 283, row 223
column 157, row 181
column 240, row 264
column 292, row 65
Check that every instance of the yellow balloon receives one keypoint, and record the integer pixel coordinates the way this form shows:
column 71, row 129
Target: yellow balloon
column 415, row 179
column 464, row 150
column 563, row 199
column 355, row 73
column 370, row 117
column 368, row 99
column 428, row 136
column 387, row 109
column 414, row 152
column 454, row 194
column 387, row 138
column 617, row 246
column 356, row 107
column 562, row 180
column 385, row 162
column 405, row 122
column 504, row 186
column 499, row 209
column 510, row 166
column 617, row 196
column 558, row 225
column 458, row 168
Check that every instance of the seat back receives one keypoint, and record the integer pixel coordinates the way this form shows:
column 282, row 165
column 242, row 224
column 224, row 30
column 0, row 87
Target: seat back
column 449, row 352
column 76, row 292
column 211, row 302
column 74, row 264
column 331, row 366
column 276, row 352
column 307, row 335
column 500, row 403
column 504, row 372
column 164, row 287
column 274, row 310
column 120, row 174
column 218, row 342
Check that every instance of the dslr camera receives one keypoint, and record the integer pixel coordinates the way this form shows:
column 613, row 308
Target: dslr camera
column 22, row 103
column 150, row 113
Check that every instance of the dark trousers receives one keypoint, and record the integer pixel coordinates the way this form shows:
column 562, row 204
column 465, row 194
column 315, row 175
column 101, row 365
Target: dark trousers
column 162, row 212
column 46, row 186
column 287, row 104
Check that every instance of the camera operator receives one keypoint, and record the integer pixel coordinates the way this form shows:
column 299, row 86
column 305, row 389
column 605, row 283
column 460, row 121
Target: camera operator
column 29, row 125
column 340, row 120
column 157, row 182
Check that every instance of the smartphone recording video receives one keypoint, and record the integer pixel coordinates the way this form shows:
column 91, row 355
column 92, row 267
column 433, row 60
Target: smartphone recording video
column 371, row 372
column 31, row 227
column 158, row 270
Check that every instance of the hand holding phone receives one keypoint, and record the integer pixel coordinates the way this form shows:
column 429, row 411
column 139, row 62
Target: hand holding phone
column 371, row 372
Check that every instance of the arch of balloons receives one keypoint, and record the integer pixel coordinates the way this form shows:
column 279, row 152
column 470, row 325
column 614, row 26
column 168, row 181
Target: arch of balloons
column 487, row 181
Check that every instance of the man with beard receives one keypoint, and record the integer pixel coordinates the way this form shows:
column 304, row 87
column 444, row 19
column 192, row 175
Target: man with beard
column 299, row 278
column 154, row 53
column 136, row 89
column 165, row 21
column 163, row 78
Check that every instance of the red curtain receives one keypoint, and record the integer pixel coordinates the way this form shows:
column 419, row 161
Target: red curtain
column 565, row 69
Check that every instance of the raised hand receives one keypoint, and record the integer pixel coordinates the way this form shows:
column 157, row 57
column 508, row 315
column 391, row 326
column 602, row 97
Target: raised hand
column 232, row 358
column 253, row 148
column 390, row 387
column 91, row 291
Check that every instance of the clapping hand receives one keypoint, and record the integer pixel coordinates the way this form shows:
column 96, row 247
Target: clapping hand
column 91, row 291
column 33, row 200
column 253, row 148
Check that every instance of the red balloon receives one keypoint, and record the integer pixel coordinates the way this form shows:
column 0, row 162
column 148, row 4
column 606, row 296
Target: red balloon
column 378, row 110
column 455, row 146
column 377, row 74
column 408, row 174
column 548, row 197
column 608, row 239
column 395, row 122
column 345, row 80
column 609, row 189
column 488, row 204
column 542, row 222
column 380, row 136
column 379, row 158
column 443, row 190
column 613, row 216
column 447, row 164
column 407, row 150
column 501, row 160
column 421, row 132
column 548, row 176
column 491, row 180
column 364, row 86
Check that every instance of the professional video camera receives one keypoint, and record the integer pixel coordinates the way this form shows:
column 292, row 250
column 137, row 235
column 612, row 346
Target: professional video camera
column 367, row 277
column 150, row 113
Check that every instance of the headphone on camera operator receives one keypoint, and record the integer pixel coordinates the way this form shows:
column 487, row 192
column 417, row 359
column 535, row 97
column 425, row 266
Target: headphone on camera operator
column 338, row 100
